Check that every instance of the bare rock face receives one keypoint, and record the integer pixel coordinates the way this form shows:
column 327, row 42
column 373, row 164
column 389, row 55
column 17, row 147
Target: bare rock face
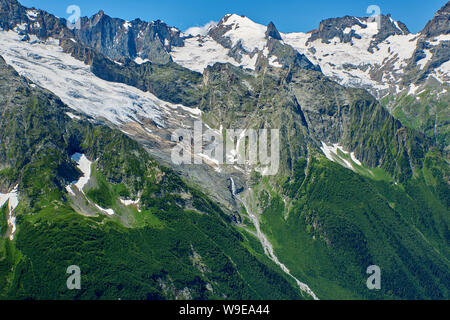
column 439, row 50
column 218, row 32
column 334, row 27
column 31, row 21
column 272, row 32
column 117, row 38
column 440, row 24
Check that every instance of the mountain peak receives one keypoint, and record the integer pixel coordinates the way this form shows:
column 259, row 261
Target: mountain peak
column 440, row 24
column 272, row 31
column 100, row 13
column 231, row 18
column 345, row 29
column 236, row 30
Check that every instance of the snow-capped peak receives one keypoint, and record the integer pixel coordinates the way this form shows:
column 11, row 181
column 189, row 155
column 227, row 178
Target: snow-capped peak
column 233, row 18
column 240, row 28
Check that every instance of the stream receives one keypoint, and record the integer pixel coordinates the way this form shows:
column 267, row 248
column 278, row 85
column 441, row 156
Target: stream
column 267, row 246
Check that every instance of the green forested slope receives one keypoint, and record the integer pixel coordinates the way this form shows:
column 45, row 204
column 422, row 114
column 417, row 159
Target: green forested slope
column 337, row 223
column 181, row 245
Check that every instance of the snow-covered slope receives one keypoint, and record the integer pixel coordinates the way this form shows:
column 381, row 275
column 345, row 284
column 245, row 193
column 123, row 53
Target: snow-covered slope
column 334, row 153
column 235, row 39
column 383, row 57
column 241, row 29
column 352, row 64
column 203, row 51
column 48, row 66
column 354, row 51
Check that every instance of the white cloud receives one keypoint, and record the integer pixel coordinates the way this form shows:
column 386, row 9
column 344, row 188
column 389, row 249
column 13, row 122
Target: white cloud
column 201, row 30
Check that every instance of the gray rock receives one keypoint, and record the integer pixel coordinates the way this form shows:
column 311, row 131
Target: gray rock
column 272, row 32
column 440, row 24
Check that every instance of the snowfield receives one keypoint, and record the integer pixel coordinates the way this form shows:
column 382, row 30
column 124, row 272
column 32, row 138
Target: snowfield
column 252, row 35
column 351, row 63
column 201, row 52
column 331, row 152
column 49, row 67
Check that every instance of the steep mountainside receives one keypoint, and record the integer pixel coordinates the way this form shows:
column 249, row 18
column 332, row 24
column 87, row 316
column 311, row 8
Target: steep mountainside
column 359, row 182
column 125, row 228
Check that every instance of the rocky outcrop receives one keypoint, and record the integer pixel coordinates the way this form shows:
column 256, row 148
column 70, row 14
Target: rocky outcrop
column 13, row 16
column 169, row 82
column 272, row 32
column 334, row 27
column 343, row 29
column 440, row 24
column 309, row 108
column 218, row 32
column 117, row 38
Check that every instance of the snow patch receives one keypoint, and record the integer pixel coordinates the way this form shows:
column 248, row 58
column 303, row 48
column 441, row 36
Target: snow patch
column 32, row 14
column 274, row 63
column 85, row 167
column 126, row 25
column 69, row 190
column 354, row 159
column 129, row 202
column 72, row 116
column 13, row 201
column 139, row 60
column 194, row 111
column 331, row 152
column 412, row 89
column 109, row 212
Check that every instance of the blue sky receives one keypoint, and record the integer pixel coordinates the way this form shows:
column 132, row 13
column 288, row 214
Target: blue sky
column 288, row 15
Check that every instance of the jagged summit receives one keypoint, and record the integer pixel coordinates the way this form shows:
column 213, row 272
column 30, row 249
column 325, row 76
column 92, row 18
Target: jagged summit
column 354, row 51
column 347, row 28
column 248, row 44
column 113, row 37
column 272, row 31
column 235, row 30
